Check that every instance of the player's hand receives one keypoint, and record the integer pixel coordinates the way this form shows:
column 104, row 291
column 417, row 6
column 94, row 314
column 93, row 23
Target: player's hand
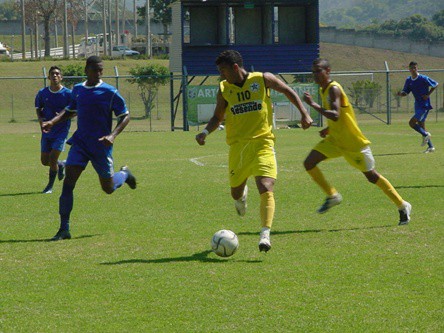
column 323, row 132
column 308, row 99
column 46, row 126
column 107, row 140
column 306, row 121
column 425, row 97
column 200, row 138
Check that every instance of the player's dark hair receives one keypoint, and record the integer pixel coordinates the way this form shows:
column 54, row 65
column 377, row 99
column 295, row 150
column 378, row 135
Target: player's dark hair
column 93, row 60
column 321, row 62
column 53, row 68
column 413, row 63
column 230, row 57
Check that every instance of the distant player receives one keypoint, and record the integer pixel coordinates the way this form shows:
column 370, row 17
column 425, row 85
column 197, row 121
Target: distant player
column 343, row 138
column 49, row 102
column 94, row 102
column 243, row 101
column 421, row 86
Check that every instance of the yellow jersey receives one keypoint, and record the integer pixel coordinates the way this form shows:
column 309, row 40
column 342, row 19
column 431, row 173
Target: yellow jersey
column 344, row 132
column 249, row 111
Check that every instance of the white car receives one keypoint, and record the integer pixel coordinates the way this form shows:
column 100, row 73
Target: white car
column 119, row 51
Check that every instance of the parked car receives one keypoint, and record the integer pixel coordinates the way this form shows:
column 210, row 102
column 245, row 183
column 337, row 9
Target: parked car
column 122, row 50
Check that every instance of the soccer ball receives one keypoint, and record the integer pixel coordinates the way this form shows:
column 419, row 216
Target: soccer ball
column 224, row 243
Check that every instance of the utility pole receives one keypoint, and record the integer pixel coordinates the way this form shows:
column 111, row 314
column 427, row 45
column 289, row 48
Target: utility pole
column 110, row 28
column 148, row 29
column 65, row 31
column 105, row 50
column 117, row 23
column 86, row 25
column 22, row 4
column 123, row 22
column 135, row 18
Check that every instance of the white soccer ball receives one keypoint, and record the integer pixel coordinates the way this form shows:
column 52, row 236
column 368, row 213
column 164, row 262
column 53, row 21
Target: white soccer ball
column 224, row 243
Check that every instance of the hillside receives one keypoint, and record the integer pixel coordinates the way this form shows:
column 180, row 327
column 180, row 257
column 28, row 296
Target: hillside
column 353, row 13
column 353, row 58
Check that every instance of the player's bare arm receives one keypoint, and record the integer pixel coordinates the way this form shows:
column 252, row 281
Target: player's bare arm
column 108, row 140
column 62, row 116
column 426, row 97
column 272, row 82
column 335, row 102
column 216, row 119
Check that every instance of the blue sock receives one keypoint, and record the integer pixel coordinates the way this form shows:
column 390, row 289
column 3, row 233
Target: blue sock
column 66, row 202
column 430, row 144
column 119, row 178
column 420, row 130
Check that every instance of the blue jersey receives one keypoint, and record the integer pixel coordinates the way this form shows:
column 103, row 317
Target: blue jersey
column 95, row 107
column 52, row 103
column 420, row 87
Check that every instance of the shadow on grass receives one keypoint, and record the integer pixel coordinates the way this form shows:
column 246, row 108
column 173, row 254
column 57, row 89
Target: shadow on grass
column 17, row 194
column 397, row 154
column 248, row 233
column 11, row 241
column 420, row 186
column 200, row 256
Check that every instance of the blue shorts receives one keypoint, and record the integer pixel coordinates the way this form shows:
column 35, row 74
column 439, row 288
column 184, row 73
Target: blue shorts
column 101, row 158
column 421, row 114
column 48, row 144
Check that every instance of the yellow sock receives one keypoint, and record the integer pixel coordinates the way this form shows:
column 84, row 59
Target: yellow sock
column 319, row 178
column 267, row 209
column 389, row 191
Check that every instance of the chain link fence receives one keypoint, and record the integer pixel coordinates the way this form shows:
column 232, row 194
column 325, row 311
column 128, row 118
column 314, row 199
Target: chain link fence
column 372, row 93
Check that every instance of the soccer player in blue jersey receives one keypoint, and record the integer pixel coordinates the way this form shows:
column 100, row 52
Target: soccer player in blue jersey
column 421, row 86
column 49, row 102
column 94, row 102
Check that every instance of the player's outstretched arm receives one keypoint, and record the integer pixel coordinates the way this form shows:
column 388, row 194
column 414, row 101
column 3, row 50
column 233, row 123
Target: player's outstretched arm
column 216, row 119
column 335, row 100
column 62, row 116
column 272, row 82
column 108, row 140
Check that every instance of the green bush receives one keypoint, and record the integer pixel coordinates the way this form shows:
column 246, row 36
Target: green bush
column 148, row 79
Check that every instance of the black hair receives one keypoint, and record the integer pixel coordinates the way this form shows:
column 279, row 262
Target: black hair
column 321, row 62
column 413, row 63
column 92, row 60
column 230, row 57
column 53, row 68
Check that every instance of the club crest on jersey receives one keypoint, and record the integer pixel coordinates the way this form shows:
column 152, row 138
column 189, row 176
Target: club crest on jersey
column 254, row 87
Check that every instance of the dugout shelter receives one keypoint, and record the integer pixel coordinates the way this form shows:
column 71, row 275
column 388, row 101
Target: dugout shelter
column 277, row 36
column 272, row 35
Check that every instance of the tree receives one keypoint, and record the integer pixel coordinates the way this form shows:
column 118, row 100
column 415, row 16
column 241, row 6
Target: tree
column 162, row 13
column 9, row 11
column 438, row 18
column 148, row 79
column 75, row 69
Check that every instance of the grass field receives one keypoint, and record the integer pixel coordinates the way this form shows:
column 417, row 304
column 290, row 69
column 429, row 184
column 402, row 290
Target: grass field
column 139, row 261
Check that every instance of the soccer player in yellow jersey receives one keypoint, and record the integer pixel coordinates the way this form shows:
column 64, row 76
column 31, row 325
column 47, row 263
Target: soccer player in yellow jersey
column 243, row 101
column 343, row 137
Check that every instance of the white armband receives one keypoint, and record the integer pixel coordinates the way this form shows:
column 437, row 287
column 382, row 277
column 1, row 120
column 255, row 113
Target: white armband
column 205, row 131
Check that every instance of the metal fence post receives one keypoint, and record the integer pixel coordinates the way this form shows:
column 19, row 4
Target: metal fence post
column 389, row 116
column 185, row 99
column 116, row 72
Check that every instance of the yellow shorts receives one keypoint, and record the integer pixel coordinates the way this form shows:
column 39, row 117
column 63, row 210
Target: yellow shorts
column 251, row 158
column 362, row 160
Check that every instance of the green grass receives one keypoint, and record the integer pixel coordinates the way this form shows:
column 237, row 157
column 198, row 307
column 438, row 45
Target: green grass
column 139, row 260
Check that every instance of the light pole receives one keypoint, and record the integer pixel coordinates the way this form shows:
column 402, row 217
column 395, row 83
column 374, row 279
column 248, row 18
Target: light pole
column 148, row 29
column 65, row 31
column 12, row 48
column 22, row 4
